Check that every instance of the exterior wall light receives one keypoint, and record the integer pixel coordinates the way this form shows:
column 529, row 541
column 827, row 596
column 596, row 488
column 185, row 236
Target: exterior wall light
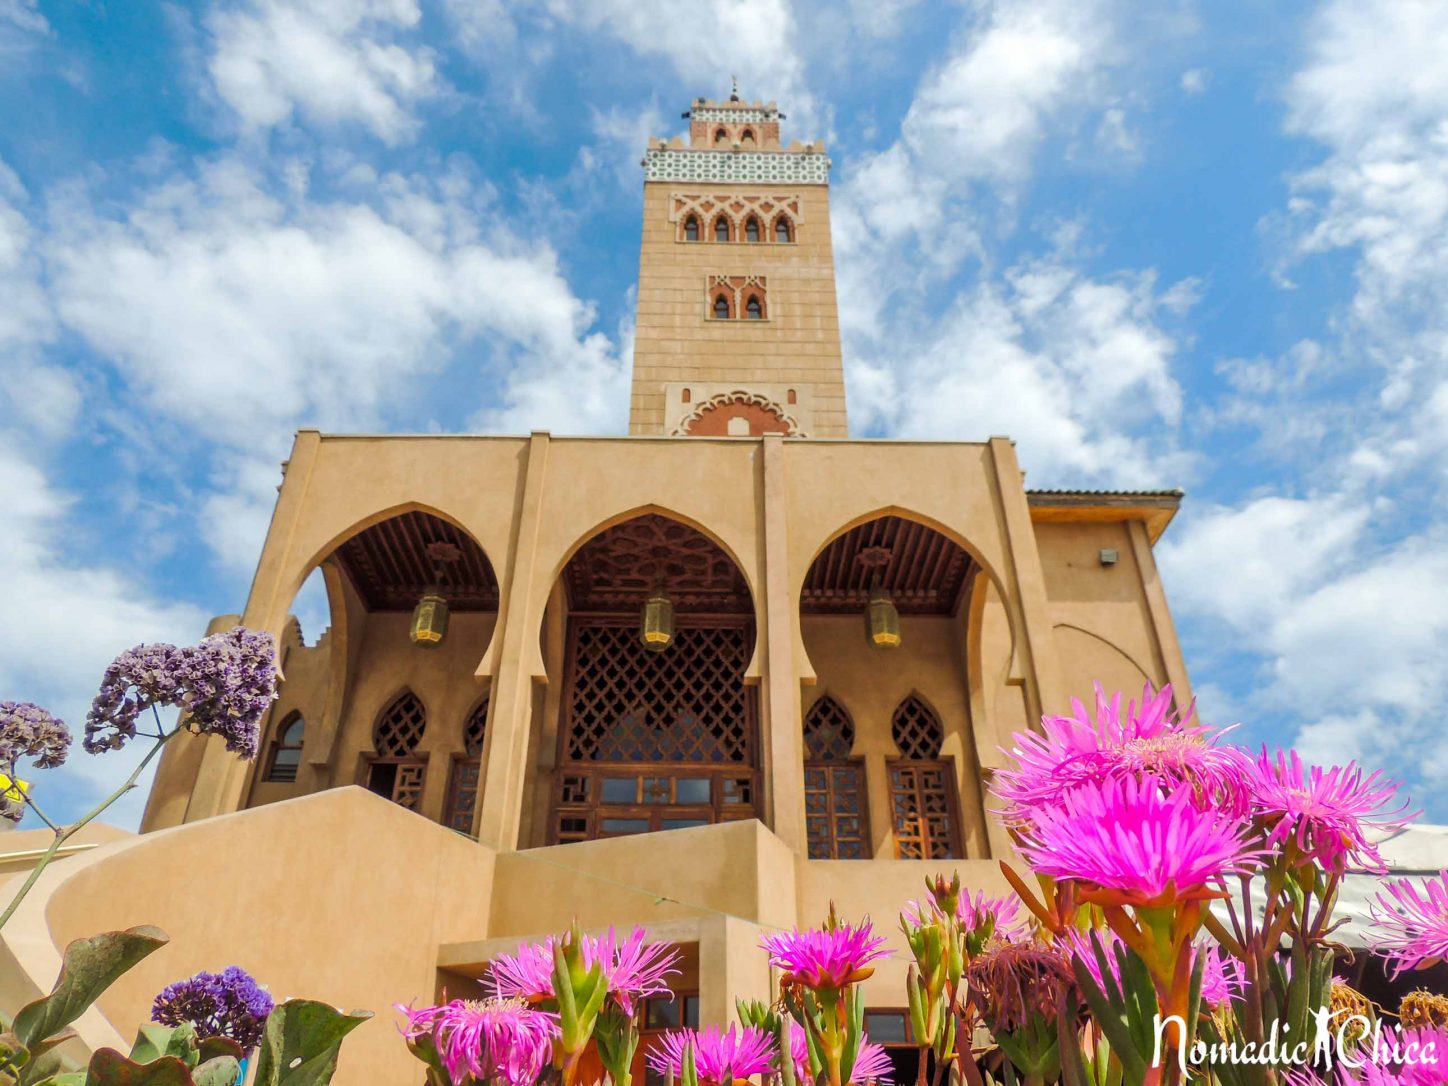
column 656, row 622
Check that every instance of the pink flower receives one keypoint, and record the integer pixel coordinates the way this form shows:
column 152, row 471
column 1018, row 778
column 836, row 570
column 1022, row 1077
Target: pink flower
column 872, row 1061
column 526, row 975
column 1389, row 1065
column 1323, row 812
column 496, row 1039
column 1412, row 927
column 1001, row 914
column 1130, row 843
column 1221, row 977
column 635, row 968
column 830, row 957
column 719, row 1057
column 872, row 1064
column 1146, row 740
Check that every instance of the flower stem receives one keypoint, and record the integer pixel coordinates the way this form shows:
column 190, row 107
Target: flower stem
column 62, row 834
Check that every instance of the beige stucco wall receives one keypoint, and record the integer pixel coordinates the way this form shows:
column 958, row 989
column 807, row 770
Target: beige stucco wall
column 342, row 897
column 1101, row 615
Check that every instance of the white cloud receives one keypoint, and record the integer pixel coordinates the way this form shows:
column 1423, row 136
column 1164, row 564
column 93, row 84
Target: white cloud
column 1374, row 93
column 1249, row 564
column 913, row 214
column 23, row 15
column 243, row 313
column 329, row 61
column 1352, row 632
column 1077, row 369
column 44, row 396
column 1195, row 81
column 704, row 41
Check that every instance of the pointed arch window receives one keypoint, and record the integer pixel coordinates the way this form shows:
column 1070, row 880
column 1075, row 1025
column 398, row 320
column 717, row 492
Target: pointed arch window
column 396, row 771
column 467, row 772
column 691, row 229
column 286, row 750
column 721, row 307
column 747, row 136
column 782, row 231
column 923, row 803
column 721, row 229
column 721, row 135
column 836, row 819
column 754, row 309
column 751, row 230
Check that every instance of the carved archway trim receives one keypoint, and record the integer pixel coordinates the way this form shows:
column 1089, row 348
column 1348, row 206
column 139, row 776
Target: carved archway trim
column 738, row 396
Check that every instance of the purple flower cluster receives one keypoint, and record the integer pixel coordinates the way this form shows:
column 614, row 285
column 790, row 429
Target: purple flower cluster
column 27, row 731
column 223, row 686
column 228, row 1004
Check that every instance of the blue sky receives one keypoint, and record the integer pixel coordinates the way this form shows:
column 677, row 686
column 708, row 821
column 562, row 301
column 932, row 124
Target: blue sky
column 1197, row 245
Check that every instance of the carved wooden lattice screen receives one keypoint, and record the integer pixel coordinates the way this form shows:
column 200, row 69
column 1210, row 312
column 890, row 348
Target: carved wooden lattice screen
column 655, row 740
column 834, row 795
column 467, row 772
column 395, row 771
column 923, row 801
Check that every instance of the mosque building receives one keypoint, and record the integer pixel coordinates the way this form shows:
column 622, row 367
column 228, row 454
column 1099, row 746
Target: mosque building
column 707, row 677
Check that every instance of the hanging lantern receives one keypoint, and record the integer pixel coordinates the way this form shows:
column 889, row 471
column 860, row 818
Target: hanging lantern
column 884, row 620
column 429, row 619
column 656, row 623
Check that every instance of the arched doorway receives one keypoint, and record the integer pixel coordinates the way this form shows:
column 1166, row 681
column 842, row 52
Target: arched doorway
column 654, row 739
column 883, row 615
column 400, row 683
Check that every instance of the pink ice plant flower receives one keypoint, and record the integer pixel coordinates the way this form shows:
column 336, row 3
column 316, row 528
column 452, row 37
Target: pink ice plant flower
column 1143, row 739
column 494, row 1040
column 829, row 957
column 872, row 1064
column 1411, row 922
column 720, row 1056
column 1221, row 977
column 1132, row 841
column 1002, row 913
column 635, row 968
column 872, row 1061
column 1325, row 813
column 1388, row 1067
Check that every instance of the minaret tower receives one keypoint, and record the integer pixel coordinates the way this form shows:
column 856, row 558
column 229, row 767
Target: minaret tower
column 738, row 328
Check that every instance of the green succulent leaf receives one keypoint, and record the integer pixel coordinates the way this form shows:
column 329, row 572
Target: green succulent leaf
column 154, row 1041
column 69, row 1078
column 90, row 966
column 302, row 1041
column 208, row 1048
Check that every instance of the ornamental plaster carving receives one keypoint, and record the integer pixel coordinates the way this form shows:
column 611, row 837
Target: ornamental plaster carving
column 737, row 396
